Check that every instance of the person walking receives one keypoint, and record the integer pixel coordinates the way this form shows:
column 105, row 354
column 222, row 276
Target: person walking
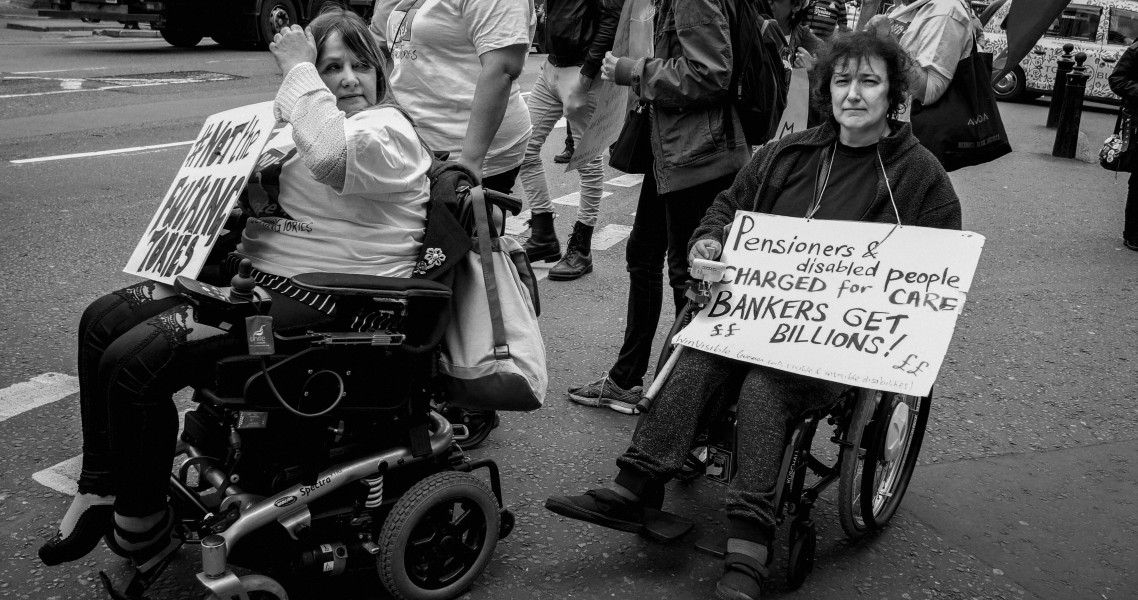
column 1124, row 82
column 578, row 33
column 455, row 66
column 698, row 146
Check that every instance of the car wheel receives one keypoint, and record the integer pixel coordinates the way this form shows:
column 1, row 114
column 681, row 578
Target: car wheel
column 275, row 16
column 1012, row 87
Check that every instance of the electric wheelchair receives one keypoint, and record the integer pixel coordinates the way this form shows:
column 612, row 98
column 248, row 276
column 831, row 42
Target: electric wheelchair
column 878, row 437
column 327, row 454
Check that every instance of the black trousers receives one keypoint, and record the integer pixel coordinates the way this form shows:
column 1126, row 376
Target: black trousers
column 662, row 229
column 137, row 346
column 1130, row 224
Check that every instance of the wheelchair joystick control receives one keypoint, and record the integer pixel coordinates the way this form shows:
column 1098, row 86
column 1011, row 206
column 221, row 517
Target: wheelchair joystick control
column 242, row 284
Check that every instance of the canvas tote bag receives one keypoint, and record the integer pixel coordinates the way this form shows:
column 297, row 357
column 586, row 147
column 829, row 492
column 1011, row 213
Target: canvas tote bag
column 494, row 356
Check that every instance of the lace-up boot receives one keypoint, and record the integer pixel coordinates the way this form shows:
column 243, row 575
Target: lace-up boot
column 578, row 255
column 542, row 243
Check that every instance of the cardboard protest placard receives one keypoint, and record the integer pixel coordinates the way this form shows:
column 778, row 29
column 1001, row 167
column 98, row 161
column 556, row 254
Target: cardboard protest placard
column 868, row 304
column 797, row 109
column 191, row 215
column 633, row 39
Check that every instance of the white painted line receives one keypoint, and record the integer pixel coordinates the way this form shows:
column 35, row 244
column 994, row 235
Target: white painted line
column 40, row 390
column 626, row 181
column 560, row 124
column 541, row 269
column 517, row 225
column 99, row 153
column 610, row 235
column 62, row 477
column 574, row 199
column 58, row 71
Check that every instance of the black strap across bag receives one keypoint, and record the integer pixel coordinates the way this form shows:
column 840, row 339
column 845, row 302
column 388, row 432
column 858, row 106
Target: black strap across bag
column 964, row 128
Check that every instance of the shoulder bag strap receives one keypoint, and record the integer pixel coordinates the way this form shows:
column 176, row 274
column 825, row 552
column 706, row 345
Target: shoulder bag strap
column 485, row 250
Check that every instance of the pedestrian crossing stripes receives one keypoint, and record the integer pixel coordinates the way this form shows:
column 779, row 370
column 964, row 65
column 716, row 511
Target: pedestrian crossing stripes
column 629, row 180
column 575, row 198
column 40, row 390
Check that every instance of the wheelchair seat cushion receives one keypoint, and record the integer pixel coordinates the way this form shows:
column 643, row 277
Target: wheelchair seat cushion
column 341, row 284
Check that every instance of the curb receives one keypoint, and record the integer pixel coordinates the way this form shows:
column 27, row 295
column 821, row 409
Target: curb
column 49, row 27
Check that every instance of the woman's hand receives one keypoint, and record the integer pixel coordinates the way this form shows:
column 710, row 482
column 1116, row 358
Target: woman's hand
column 880, row 25
column 608, row 67
column 292, row 46
column 804, row 60
column 705, row 249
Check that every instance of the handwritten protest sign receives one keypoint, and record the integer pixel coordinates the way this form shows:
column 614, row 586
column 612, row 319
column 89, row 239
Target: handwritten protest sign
column 633, row 39
column 867, row 304
column 795, row 114
column 190, row 217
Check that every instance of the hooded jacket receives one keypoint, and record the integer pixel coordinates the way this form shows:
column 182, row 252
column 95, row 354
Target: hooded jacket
column 921, row 189
column 695, row 134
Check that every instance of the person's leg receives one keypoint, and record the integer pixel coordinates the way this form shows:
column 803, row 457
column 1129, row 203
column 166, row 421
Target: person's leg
column 1130, row 225
column 659, row 446
column 566, row 154
column 768, row 401
column 89, row 516
column 545, row 109
column 644, row 257
column 685, row 209
column 578, row 259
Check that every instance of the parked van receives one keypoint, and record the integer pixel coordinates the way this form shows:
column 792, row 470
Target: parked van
column 1101, row 28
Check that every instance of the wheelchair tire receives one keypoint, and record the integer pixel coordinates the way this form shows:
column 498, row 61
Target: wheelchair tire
column 803, row 543
column 439, row 537
column 892, row 454
column 883, row 440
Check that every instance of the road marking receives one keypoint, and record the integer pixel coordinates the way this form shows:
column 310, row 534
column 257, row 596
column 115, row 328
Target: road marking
column 58, row 71
column 99, row 153
column 40, row 390
column 626, row 180
column 610, row 235
column 574, row 199
column 517, row 225
column 541, row 270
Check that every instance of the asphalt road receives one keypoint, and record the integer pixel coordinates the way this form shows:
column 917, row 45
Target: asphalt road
column 1026, row 485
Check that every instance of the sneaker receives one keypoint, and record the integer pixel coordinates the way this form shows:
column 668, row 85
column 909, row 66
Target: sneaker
column 602, row 507
column 1133, row 245
column 603, row 392
column 565, row 156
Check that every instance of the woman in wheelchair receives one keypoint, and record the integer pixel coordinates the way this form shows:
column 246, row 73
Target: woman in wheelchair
column 353, row 196
column 860, row 165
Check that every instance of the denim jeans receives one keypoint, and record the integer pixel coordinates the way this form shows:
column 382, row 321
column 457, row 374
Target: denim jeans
column 547, row 101
column 662, row 228
column 137, row 346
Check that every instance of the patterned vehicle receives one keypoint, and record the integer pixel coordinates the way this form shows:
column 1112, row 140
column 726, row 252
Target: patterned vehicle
column 1101, row 28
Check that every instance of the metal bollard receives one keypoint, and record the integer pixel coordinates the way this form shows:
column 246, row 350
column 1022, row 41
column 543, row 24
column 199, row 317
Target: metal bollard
column 1064, row 65
column 1067, row 134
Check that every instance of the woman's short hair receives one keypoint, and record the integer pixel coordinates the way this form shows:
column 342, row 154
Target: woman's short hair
column 856, row 47
column 358, row 39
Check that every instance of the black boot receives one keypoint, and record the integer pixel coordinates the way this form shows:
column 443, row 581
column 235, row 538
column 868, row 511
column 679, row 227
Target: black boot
column 578, row 255
column 542, row 243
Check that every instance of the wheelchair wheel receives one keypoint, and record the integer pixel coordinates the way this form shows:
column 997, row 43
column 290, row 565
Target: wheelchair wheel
column 803, row 542
column 884, row 437
column 439, row 537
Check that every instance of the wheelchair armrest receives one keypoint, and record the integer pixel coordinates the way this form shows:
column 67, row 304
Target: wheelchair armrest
column 339, row 284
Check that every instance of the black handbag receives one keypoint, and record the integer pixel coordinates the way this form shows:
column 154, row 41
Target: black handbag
column 1116, row 154
column 632, row 150
column 963, row 128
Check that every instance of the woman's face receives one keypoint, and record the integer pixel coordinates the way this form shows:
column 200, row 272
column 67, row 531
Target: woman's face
column 860, row 94
column 352, row 80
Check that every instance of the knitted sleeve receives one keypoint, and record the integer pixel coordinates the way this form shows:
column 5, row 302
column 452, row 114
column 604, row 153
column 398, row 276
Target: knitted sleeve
column 317, row 124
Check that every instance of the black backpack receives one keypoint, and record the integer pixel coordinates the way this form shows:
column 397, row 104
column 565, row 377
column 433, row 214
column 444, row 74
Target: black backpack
column 759, row 77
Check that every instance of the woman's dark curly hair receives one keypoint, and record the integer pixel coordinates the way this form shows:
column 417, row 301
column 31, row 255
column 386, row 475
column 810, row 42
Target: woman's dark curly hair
column 856, row 47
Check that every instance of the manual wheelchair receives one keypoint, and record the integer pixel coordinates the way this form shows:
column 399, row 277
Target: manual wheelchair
column 327, row 454
column 878, row 437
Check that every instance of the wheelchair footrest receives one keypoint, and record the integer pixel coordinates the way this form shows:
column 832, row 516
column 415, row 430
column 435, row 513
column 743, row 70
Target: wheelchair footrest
column 665, row 526
column 714, row 544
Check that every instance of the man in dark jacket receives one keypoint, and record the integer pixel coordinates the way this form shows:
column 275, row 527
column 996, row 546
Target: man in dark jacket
column 577, row 35
column 697, row 146
column 1124, row 82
